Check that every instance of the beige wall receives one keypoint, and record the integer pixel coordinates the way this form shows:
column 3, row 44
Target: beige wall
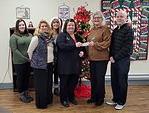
column 42, row 9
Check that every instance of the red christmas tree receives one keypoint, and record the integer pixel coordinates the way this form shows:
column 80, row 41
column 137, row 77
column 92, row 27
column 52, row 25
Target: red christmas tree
column 82, row 18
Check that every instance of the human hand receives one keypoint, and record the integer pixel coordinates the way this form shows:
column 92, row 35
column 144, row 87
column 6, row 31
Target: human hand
column 91, row 43
column 81, row 53
column 78, row 44
column 112, row 60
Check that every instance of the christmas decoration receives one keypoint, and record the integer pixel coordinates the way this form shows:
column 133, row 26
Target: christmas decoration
column 138, row 14
column 82, row 18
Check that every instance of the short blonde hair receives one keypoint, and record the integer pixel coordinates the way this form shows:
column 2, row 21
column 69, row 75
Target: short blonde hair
column 37, row 30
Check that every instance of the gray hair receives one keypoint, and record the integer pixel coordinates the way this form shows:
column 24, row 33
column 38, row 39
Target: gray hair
column 124, row 13
column 99, row 13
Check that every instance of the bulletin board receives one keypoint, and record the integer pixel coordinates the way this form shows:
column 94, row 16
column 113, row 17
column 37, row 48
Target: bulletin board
column 138, row 13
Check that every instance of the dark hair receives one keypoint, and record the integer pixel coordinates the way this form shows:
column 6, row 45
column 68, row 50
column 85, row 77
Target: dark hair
column 17, row 31
column 65, row 25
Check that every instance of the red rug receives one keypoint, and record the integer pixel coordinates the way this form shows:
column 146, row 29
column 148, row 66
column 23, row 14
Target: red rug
column 83, row 91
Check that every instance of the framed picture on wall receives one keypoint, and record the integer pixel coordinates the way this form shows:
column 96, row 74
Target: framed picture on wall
column 23, row 13
column 64, row 12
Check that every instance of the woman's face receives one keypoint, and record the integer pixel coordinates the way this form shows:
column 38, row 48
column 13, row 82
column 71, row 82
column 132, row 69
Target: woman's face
column 97, row 20
column 21, row 26
column 55, row 24
column 70, row 27
column 43, row 28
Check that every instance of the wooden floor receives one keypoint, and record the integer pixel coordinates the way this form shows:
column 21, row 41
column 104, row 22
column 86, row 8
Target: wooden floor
column 137, row 102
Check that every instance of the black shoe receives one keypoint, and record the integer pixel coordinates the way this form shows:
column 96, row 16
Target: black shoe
column 74, row 102
column 23, row 98
column 99, row 103
column 65, row 104
column 89, row 101
column 26, row 93
column 56, row 91
column 41, row 107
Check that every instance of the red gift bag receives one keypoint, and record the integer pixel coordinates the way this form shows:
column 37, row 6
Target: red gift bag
column 83, row 91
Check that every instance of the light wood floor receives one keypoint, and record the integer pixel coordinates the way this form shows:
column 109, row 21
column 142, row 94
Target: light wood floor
column 137, row 102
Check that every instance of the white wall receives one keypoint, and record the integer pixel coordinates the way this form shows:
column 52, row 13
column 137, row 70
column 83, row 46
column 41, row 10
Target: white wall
column 41, row 9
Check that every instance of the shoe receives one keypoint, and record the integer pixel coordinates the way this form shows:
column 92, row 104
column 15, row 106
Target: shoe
column 65, row 104
column 23, row 98
column 41, row 107
column 26, row 93
column 99, row 103
column 56, row 91
column 119, row 107
column 112, row 103
column 89, row 101
column 74, row 102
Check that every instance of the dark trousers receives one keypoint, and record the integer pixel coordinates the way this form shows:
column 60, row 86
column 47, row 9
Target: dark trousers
column 55, row 73
column 67, row 86
column 50, row 83
column 23, row 72
column 43, row 86
column 119, row 80
column 98, row 71
column 56, row 76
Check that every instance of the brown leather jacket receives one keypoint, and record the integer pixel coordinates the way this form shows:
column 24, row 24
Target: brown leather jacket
column 101, row 37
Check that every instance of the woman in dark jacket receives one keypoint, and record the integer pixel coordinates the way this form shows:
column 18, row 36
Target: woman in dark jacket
column 69, row 53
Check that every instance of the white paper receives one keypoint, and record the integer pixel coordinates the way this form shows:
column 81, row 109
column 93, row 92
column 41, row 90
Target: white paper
column 85, row 44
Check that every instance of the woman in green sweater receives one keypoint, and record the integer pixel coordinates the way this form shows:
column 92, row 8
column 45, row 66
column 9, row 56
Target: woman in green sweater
column 19, row 43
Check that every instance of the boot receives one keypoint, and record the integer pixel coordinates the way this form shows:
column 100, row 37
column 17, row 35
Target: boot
column 28, row 96
column 23, row 98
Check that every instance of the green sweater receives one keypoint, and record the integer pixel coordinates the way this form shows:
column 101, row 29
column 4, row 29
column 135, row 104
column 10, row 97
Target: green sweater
column 19, row 46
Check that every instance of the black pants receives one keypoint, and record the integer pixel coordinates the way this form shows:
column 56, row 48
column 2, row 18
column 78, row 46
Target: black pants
column 23, row 72
column 119, row 80
column 55, row 73
column 67, row 86
column 98, row 71
column 50, row 83
column 56, row 76
column 43, row 86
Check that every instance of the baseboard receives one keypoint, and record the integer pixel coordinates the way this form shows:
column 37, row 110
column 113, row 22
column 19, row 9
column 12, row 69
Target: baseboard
column 6, row 85
column 132, row 80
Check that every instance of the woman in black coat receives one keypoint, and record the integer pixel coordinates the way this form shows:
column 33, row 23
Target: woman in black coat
column 69, row 65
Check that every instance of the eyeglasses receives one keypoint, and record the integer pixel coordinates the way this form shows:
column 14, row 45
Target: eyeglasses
column 97, row 17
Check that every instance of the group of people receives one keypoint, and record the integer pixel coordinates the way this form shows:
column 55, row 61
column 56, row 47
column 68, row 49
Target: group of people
column 40, row 53
column 53, row 50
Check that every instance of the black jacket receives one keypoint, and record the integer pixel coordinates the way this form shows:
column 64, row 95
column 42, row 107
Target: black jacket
column 122, row 42
column 68, row 54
